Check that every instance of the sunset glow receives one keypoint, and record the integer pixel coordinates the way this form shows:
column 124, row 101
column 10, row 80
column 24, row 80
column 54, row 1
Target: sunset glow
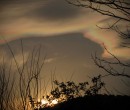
column 54, row 51
column 54, row 102
column 46, row 103
column 43, row 102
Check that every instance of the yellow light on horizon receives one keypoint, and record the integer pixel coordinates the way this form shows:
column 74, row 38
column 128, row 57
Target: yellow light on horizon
column 47, row 103
column 54, row 102
column 43, row 102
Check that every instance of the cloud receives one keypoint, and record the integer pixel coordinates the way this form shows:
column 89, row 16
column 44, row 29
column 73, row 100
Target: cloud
column 32, row 9
column 22, row 18
column 49, row 60
column 111, row 40
column 19, row 19
column 55, row 10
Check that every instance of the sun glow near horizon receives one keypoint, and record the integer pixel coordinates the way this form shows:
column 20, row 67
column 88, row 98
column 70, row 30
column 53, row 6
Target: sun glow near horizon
column 49, row 103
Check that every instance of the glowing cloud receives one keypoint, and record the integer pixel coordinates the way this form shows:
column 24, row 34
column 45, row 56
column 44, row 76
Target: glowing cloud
column 110, row 40
column 22, row 19
column 48, row 18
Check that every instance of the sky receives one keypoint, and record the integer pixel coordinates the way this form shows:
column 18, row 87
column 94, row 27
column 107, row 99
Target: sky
column 68, row 35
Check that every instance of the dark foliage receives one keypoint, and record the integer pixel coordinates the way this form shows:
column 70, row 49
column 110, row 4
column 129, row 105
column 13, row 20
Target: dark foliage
column 65, row 91
column 70, row 89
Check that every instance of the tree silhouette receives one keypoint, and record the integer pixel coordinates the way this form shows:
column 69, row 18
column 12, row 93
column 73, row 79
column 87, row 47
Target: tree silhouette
column 65, row 91
column 19, row 87
column 119, row 10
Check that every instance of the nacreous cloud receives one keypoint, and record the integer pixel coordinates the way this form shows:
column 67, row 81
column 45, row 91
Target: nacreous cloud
column 110, row 40
column 22, row 18
column 43, row 17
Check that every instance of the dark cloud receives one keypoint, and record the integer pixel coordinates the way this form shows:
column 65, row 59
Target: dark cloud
column 55, row 9
column 59, row 45
column 40, row 9
column 5, row 2
column 68, row 53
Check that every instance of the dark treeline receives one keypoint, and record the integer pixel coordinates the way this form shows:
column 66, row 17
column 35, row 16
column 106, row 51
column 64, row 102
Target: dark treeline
column 97, row 102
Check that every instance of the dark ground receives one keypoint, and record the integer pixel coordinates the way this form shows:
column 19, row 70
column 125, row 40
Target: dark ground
column 98, row 102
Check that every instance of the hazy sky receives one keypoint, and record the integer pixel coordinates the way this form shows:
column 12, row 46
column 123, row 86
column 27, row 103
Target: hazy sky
column 67, row 33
